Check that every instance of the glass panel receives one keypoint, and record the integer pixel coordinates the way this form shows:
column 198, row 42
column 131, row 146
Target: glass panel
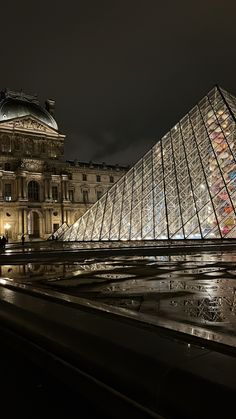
column 187, row 178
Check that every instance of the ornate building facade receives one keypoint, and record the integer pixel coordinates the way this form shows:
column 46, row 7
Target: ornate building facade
column 39, row 190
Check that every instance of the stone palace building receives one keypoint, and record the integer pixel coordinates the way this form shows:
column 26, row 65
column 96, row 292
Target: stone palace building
column 39, row 190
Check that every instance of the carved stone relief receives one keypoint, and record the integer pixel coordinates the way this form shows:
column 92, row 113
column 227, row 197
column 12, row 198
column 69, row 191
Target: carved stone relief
column 32, row 165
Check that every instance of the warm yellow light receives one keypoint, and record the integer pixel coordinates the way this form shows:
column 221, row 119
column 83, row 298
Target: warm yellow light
column 7, row 226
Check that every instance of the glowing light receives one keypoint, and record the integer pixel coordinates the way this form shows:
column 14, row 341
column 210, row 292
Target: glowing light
column 168, row 193
column 7, row 226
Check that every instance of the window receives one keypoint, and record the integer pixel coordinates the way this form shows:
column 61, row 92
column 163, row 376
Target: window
column 55, row 227
column 71, row 195
column 43, row 148
column 33, row 191
column 99, row 194
column 29, row 146
column 17, row 144
column 84, row 177
column 7, row 192
column 55, row 193
column 6, row 145
column 98, row 178
column 111, row 179
column 85, row 197
column 7, row 166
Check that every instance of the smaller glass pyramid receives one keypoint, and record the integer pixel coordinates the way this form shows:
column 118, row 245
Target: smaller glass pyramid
column 183, row 188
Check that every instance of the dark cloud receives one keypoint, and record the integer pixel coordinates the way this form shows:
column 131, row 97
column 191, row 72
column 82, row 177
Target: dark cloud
column 122, row 73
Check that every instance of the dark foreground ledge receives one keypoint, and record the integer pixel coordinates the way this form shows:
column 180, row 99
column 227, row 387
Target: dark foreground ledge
column 104, row 365
column 53, row 251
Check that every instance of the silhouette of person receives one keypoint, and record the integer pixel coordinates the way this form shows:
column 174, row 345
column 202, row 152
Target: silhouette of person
column 4, row 240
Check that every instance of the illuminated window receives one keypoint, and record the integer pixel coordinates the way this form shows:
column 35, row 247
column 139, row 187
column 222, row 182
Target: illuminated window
column 55, row 193
column 7, row 192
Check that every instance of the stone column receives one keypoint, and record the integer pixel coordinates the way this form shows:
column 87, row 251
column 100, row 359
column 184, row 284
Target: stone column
column 1, row 195
column 68, row 217
column 25, row 221
column 66, row 190
column 20, row 224
column 22, row 221
column 62, row 214
column 24, row 188
column 1, row 222
column 44, row 190
column 48, row 221
column 19, row 187
column 50, row 189
column 63, row 189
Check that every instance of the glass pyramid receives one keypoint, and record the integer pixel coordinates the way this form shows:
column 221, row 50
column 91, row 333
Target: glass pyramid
column 60, row 231
column 183, row 188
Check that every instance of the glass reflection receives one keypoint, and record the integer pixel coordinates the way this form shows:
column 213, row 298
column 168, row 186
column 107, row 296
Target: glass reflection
column 197, row 289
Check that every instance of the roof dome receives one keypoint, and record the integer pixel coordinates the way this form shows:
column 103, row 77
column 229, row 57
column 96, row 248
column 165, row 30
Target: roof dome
column 15, row 105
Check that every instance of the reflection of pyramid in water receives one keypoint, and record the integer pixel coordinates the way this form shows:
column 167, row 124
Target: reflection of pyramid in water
column 184, row 187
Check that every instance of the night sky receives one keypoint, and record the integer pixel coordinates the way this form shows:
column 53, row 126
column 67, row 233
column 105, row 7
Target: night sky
column 122, row 72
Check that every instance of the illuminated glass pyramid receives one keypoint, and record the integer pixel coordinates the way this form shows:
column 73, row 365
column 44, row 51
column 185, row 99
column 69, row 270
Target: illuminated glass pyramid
column 184, row 187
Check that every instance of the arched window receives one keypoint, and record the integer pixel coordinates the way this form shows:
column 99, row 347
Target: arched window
column 33, row 191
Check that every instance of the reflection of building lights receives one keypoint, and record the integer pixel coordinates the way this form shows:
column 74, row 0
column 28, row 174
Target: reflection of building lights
column 7, row 226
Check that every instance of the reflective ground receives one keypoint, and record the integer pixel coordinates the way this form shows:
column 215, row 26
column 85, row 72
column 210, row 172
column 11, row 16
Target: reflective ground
column 197, row 289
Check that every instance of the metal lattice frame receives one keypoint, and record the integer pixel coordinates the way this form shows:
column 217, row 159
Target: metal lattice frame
column 60, row 232
column 183, row 188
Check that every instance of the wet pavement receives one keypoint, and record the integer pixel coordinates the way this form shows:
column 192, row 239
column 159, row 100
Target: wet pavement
column 196, row 289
